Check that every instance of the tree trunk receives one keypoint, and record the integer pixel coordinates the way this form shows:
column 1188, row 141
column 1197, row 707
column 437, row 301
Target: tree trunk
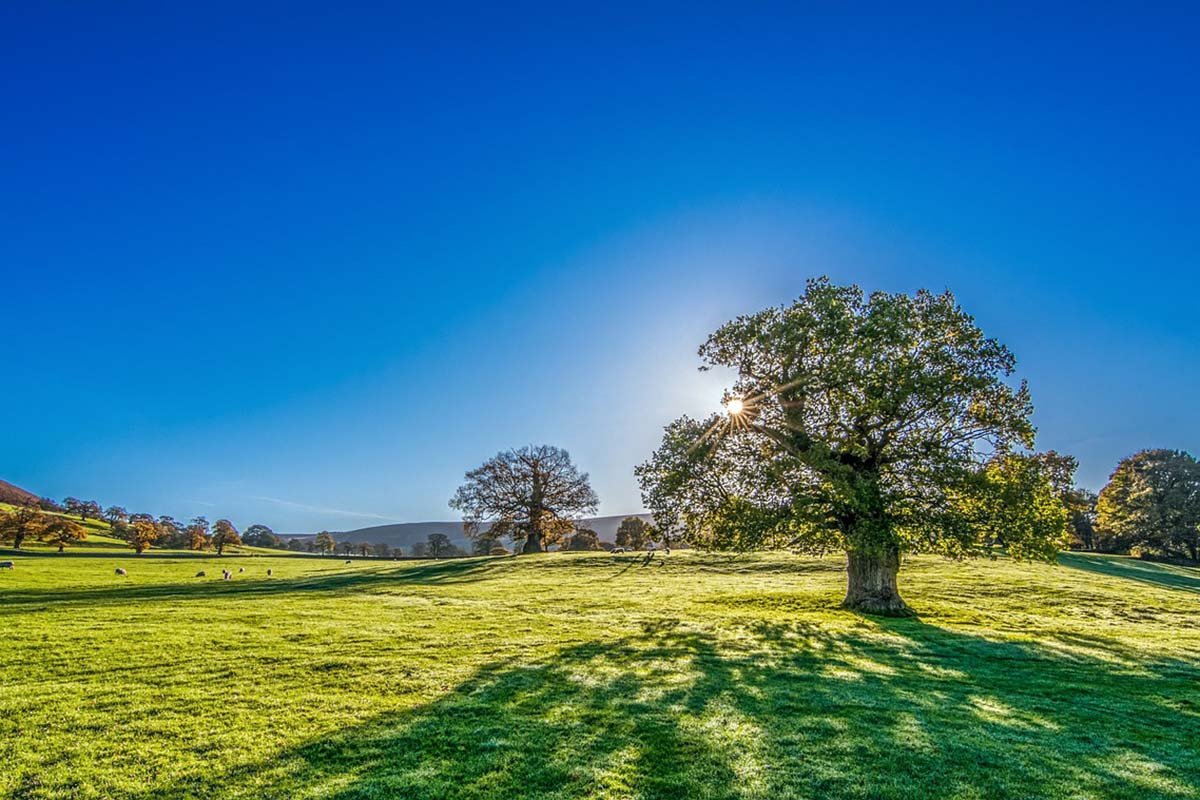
column 871, row 583
column 533, row 543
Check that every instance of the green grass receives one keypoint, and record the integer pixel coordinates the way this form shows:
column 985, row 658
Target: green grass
column 570, row 675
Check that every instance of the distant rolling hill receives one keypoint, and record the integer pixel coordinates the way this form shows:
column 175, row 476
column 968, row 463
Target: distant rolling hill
column 15, row 495
column 406, row 534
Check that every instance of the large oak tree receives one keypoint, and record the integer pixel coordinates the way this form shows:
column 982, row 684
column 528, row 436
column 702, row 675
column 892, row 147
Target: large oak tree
column 530, row 495
column 874, row 425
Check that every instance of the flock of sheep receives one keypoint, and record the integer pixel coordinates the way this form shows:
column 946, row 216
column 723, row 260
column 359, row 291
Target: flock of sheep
column 226, row 574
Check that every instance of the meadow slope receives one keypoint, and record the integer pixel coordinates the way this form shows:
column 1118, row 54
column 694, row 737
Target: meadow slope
column 580, row 675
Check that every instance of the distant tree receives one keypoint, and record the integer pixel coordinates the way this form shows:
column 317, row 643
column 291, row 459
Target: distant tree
column 584, row 539
column 62, row 532
column 607, row 545
column 141, row 534
column 224, row 535
column 48, row 504
column 530, row 495
column 857, row 423
column 89, row 509
column 142, row 516
column 171, row 534
column 115, row 514
column 364, row 549
column 324, row 542
column 483, row 543
column 383, row 550
column 72, row 505
column 439, row 545
column 1152, row 505
column 261, row 536
column 21, row 523
column 295, row 545
column 197, row 534
column 634, row 533
column 345, row 548
column 420, row 550
column 1081, row 508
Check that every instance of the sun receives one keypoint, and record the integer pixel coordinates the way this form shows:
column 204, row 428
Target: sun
column 735, row 406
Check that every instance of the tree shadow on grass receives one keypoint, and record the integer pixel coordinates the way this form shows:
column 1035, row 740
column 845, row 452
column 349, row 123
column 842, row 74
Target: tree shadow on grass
column 375, row 577
column 1169, row 575
column 883, row 709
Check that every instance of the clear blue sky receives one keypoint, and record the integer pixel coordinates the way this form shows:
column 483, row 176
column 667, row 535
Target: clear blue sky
column 307, row 266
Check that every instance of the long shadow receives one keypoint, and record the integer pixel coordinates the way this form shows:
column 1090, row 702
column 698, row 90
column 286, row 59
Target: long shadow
column 888, row 709
column 1174, row 577
column 426, row 573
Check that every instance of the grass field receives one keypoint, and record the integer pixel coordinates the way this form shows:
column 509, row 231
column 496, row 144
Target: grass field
column 567, row 675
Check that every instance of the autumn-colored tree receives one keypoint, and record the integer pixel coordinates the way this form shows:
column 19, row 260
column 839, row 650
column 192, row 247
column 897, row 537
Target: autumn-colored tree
column 197, row 534
column 530, row 495
column 857, row 424
column 364, row 549
column 324, row 542
column 21, row 523
column 62, row 532
column 141, row 534
column 633, row 533
column 224, row 535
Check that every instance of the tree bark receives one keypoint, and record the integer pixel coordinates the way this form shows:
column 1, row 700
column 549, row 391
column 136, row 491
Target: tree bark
column 871, row 582
column 533, row 543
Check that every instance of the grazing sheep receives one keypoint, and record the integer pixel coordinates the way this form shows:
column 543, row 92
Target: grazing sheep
column 270, row 573
column 226, row 575
column 616, row 550
column 201, row 574
column 6, row 565
column 241, row 569
column 121, row 571
column 348, row 561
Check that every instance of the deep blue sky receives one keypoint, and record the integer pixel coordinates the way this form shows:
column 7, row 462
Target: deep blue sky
column 306, row 267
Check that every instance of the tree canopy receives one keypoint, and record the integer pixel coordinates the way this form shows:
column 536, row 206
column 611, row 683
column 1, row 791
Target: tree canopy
column 1152, row 504
column 531, row 495
column 874, row 425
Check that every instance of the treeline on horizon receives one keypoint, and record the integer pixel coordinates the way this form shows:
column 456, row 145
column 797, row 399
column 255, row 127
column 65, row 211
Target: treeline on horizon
column 1149, row 508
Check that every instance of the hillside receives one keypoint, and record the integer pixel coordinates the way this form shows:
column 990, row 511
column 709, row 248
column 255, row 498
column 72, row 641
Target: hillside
column 708, row 676
column 406, row 534
column 15, row 495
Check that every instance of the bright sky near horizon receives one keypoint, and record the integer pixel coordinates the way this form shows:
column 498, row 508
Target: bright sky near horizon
column 305, row 266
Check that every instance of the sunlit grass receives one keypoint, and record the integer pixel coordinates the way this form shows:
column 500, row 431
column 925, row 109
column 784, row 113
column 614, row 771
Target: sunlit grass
column 567, row 675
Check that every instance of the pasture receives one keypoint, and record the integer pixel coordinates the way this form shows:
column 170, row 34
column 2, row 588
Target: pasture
column 581, row 675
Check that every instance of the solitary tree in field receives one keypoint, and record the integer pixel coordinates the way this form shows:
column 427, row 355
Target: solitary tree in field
column 141, row 533
column 115, row 514
column 1152, row 503
column 633, row 533
column 324, row 542
column 62, row 532
column 224, row 535
column 861, row 424
column 530, row 495
column 21, row 523
column 439, row 545
column 84, row 508
column 261, row 536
